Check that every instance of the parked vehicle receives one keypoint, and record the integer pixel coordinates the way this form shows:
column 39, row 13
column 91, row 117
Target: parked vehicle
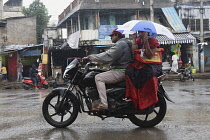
column 28, row 83
column 57, row 82
column 185, row 74
column 61, row 107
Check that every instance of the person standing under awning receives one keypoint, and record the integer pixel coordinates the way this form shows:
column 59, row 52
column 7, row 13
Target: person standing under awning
column 174, row 62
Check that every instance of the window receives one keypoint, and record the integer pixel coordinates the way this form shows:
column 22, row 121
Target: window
column 195, row 24
column 104, row 20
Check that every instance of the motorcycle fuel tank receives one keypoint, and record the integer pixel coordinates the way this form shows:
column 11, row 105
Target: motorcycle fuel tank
column 89, row 79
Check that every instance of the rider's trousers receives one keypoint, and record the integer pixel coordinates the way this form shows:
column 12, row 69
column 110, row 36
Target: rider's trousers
column 109, row 77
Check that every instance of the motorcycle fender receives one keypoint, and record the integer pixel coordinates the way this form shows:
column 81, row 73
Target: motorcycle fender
column 162, row 92
column 63, row 90
column 45, row 82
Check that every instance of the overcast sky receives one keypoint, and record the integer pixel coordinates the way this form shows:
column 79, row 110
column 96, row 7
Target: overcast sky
column 54, row 7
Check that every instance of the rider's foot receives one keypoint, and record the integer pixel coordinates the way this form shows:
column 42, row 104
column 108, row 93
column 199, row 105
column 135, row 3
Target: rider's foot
column 128, row 100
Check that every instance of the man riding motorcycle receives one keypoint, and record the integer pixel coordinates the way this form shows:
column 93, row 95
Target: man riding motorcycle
column 32, row 73
column 119, row 57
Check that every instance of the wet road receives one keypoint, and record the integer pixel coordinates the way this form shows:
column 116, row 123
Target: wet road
column 186, row 119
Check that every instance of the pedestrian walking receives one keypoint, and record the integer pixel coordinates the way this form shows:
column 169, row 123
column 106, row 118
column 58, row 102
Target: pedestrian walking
column 19, row 71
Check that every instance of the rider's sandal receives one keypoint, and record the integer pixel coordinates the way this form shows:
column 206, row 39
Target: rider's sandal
column 95, row 109
column 99, row 108
column 128, row 100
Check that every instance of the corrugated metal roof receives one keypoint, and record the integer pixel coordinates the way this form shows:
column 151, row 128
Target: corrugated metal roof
column 173, row 19
column 179, row 38
column 13, row 48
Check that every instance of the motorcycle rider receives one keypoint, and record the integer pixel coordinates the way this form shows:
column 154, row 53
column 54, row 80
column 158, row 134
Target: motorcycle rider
column 118, row 57
column 32, row 73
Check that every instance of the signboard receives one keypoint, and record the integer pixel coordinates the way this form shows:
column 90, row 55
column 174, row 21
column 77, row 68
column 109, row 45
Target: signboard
column 44, row 58
column 104, row 31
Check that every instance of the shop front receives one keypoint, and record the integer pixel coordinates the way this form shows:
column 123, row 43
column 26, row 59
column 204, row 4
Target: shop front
column 183, row 46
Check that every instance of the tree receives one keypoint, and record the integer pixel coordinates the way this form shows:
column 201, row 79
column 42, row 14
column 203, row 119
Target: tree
column 39, row 10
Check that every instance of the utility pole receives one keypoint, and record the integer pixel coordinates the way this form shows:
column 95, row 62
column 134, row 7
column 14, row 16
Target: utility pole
column 201, row 54
column 151, row 11
column 1, row 9
column 201, row 22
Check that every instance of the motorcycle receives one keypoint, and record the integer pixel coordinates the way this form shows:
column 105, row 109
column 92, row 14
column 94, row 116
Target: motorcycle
column 28, row 83
column 185, row 74
column 61, row 107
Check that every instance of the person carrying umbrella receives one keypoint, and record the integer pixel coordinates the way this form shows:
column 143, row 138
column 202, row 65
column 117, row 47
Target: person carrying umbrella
column 141, row 78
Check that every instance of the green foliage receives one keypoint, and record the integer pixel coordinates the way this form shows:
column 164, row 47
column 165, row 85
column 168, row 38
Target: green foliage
column 39, row 10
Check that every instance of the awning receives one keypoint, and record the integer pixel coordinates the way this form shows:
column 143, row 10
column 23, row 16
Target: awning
column 179, row 39
column 14, row 48
column 173, row 19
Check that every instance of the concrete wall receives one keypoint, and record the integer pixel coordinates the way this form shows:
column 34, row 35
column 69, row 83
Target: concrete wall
column 124, row 4
column 19, row 31
column 1, row 9
column 2, row 36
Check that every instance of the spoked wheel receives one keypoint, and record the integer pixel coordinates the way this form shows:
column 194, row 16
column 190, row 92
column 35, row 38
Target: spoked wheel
column 62, row 117
column 153, row 117
column 181, row 77
column 26, row 87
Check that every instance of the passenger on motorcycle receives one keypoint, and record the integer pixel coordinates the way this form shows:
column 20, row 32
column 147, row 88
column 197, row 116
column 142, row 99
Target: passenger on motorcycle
column 118, row 57
column 141, row 78
column 32, row 73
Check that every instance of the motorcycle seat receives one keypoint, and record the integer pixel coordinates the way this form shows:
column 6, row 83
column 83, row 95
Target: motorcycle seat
column 119, row 85
column 26, row 78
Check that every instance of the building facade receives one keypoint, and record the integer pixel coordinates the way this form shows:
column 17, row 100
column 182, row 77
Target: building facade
column 92, row 20
column 195, row 18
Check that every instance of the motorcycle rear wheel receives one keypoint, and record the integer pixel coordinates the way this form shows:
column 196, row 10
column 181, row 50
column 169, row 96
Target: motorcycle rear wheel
column 45, row 86
column 26, row 87
column 153, row 118
column 65, row 116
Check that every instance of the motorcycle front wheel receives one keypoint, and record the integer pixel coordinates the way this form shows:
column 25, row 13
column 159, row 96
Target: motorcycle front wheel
column 63, row 117
column 182, row 77
column 153, row 117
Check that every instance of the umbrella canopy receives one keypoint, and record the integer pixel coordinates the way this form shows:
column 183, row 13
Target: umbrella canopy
column 154, row 29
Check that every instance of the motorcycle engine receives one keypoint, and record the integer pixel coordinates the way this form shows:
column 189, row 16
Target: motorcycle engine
column 94, row 96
